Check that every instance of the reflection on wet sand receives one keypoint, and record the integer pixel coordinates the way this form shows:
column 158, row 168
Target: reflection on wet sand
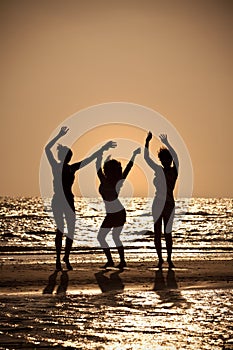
column 113, row 282
column 52, row 281
column 167, row 289
column 160, row 283
column 118, row 317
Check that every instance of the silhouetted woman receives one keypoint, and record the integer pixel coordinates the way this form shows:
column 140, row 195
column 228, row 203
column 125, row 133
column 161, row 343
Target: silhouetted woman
column 63, row 199
column 111, row 179
column 163, row 207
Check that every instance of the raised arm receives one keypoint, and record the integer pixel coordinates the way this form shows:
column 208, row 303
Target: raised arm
column 164, row 140
column 147, row 157
column 130, row 164
column 97, row 154
column 99, row 166
column 51, row 143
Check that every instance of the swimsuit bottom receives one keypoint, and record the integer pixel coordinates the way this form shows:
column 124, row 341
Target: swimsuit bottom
column 114, row 219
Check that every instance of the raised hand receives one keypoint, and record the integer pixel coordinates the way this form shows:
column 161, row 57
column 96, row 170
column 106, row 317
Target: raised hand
column 163, row 138
column 52, row 142
column 109, row 144
column 149, row 136
column 137, row 151
column 107, row 159
column 63, row 131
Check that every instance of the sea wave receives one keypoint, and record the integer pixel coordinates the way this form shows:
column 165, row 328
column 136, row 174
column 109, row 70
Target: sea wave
column 24, row 225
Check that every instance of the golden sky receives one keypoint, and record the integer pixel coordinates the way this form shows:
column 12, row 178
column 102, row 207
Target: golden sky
column 60, row 56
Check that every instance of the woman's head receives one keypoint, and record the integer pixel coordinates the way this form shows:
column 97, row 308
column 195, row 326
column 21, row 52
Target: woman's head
column 165, row 157
column 64, row 153
column 113, row 170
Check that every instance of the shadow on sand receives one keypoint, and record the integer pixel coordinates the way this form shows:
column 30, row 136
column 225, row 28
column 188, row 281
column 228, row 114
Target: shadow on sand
column 110, row 283
column 167, row 289
column 52, row 282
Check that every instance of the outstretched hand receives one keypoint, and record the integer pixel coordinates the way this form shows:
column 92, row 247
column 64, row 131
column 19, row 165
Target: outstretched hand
column 163, row 138
column 109, row 144
column 63, row 131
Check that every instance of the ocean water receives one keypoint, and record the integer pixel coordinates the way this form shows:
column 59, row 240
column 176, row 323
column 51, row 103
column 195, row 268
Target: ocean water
column 202, row 226
column 160, row 317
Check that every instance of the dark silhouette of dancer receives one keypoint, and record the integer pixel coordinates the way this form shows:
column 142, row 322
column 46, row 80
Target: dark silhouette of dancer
column 163, row 207
column 111, row 180
column 63, row 199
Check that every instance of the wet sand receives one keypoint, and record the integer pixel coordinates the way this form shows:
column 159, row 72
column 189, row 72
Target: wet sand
column 142, row 307
column 33, row 273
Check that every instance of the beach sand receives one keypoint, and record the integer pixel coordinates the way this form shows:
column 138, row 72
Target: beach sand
column 142, row 307
column 32, row 273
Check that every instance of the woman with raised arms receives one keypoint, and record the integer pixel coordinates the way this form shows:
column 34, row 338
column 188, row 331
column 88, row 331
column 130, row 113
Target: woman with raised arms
column 111, row 180
column 163, row 207
column 63, row 199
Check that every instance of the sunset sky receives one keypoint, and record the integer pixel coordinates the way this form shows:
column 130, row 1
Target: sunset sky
column 61, row 56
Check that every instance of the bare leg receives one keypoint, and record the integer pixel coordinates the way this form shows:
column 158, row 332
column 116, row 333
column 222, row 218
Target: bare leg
column 68, row 247
column 70, row 219
column 157, row 240
column 116, row 237
column 58, row 245
column 58, row 217
column 169, row 243
column 168, row 222
column 108, row 255
column 122, row 257
column 102, row 240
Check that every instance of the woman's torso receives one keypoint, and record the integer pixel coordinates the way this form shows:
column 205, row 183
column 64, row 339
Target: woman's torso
column 109, row 192
column 63, row 180
column 164, row 183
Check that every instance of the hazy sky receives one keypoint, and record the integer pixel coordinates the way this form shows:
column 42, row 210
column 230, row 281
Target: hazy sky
column 60, row 56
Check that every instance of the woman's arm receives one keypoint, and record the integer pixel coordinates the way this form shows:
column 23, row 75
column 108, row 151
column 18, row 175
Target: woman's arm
column 99, row 166
column 48, row 147
column 96, row 154
column 147, row 157
column 99, row 156
column 163, row 138
column 130, row 164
